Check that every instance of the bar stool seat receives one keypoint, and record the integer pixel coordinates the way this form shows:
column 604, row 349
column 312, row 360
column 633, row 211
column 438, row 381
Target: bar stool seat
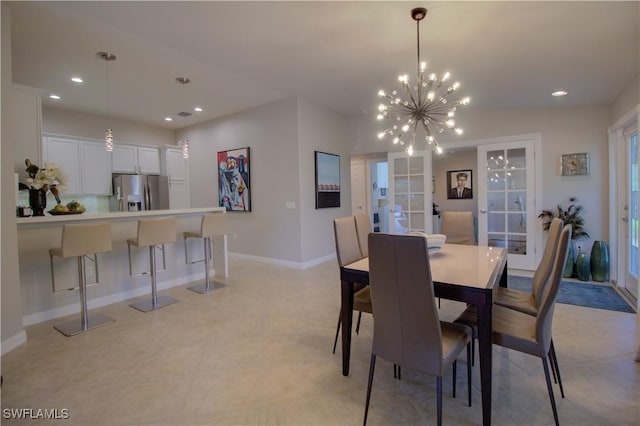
column 81, row 240
column 152, row 233
column 211, row 225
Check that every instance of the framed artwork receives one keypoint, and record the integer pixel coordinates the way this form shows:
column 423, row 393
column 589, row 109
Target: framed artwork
column 327, row 180
column 459, row 185
column 234, row 180
column 575, row 164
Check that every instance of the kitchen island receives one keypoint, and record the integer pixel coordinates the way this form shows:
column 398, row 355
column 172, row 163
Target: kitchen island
column 36, row 235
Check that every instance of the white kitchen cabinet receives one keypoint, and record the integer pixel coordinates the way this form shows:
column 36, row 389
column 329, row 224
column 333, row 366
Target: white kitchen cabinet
column 65, row 153
column 135, row 159
column 95, row 169
column 174, row 165
column 178, row 194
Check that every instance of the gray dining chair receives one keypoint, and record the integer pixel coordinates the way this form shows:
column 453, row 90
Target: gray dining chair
column 407, row 330
column 458, row 227
column 529, row 302
column 348, row 251
column 532, row 334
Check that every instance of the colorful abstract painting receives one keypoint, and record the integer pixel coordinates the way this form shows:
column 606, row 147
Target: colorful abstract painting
column 234, row 188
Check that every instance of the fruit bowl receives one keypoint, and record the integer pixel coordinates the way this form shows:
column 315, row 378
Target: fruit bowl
column 61, row 213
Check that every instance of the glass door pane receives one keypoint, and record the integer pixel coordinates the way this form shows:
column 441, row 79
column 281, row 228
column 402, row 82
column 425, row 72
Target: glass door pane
column 633, row 212
column 410, row 192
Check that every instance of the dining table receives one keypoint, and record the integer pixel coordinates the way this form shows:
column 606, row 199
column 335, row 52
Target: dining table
column 462, row 273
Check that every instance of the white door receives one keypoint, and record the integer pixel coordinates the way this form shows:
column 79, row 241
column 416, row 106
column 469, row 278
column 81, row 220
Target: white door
column 506, row 200
column 410, row 195
column 178, row 194
column 95, row 165
column 64, row 153
column 358, row 187
column 630, row 227
column 148, row 160
column 124, row 159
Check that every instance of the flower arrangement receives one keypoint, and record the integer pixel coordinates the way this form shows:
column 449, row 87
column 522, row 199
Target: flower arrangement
column 570, row 216
column 45, row 179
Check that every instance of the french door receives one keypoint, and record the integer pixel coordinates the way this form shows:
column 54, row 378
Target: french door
column 410, row 196
column 506, row 200
column 631, row 217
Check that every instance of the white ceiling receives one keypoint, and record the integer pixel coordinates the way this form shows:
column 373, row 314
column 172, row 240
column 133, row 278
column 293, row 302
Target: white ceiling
column 337, row 54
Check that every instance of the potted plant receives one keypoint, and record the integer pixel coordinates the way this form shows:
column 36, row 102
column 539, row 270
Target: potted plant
column 571, row 216
column 42, row 180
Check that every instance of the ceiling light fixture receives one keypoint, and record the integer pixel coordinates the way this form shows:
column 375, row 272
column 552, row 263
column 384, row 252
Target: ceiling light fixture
column 56, row 97
column 427, row 103
column 77, row 80
column 108, row 133
column 560, row 93
column 168, row 119
column 197, row 109
column 184, row 143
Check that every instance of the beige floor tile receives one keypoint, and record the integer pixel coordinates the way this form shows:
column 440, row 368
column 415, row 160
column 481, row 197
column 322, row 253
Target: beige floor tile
column 258, row 352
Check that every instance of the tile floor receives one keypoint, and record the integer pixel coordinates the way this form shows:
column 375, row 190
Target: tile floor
column 258, row 352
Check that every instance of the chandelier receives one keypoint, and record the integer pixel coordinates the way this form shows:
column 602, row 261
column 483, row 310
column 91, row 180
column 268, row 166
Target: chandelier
column 184, row 143
column 427, row 104
column 108, row 133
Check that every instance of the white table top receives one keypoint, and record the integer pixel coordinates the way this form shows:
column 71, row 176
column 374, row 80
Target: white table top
column 48, row 219
column 470, row 266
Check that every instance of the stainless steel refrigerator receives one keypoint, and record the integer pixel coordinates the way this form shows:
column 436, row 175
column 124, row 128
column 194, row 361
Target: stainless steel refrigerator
column 139, row 192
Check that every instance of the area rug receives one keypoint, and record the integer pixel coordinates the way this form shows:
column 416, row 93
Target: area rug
column 581, row 294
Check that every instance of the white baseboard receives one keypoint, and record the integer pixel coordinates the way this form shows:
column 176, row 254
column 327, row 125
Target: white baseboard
column 61, row 311
column 286, row 263
column 13, row 342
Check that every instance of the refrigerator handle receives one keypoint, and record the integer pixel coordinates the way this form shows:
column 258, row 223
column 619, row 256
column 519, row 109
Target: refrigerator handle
column 148, row 191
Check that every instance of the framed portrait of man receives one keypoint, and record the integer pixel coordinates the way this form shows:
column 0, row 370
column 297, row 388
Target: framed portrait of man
column 459, row 185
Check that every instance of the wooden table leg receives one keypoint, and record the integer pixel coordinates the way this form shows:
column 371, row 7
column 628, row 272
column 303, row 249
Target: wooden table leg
column 503, row 277
column 485, row 352
column 346, row 313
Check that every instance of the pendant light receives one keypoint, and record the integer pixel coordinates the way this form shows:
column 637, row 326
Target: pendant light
column 108, row 134
column 184, row 143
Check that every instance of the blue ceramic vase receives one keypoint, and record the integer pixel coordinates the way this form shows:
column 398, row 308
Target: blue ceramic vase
column 600, row 261
column 583, row 270
column 571, row 260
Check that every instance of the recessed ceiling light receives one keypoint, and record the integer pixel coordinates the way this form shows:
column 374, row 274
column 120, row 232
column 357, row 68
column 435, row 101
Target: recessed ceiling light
column 197, row 109
column 56, row 97
column 560, row 93
column 168, row 119
column 77, row 80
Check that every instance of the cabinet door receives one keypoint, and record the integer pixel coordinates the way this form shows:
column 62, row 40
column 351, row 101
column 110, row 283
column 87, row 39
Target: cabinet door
column 124, row 159
column 178, row 195
column 148, row 160
column 176, row 165
column 64, row 153
column 95, row 168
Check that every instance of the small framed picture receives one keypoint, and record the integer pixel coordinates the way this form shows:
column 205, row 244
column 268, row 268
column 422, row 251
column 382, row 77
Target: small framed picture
column 459, row 185
column 575, row 164
column 327, row 180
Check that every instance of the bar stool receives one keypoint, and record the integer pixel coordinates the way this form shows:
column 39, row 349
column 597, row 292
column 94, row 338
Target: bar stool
column 81, row 240
column 153, row 233
column 212, row 224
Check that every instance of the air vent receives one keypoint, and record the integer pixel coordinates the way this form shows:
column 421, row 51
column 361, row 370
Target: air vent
column 184, row 114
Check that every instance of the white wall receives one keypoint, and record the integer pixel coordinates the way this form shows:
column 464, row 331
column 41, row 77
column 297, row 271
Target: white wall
column 19, row 125
column 271, row 131
column 564, row 130
column 626, row 100
column 320, row 129
column 72, row 123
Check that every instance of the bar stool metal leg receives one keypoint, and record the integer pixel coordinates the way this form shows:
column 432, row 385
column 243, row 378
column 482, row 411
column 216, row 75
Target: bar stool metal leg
column 87, row 322
column 156, row 301
column 206, row 286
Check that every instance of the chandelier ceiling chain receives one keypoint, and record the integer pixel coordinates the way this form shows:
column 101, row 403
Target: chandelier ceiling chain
column 427, row 104
column 108, row 134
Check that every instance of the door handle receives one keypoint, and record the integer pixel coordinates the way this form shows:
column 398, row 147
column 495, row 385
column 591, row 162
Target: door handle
column 483, row 211
column 625, row 219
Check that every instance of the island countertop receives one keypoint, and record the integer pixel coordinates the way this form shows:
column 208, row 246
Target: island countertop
column 116, row 216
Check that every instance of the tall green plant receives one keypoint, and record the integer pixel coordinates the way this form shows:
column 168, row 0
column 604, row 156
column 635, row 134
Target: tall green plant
column 570, row 216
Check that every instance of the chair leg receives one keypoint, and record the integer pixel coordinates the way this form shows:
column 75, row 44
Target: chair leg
column 455, row 368
column 335, row 341
column 372, row 367
column 469, row 371
column 399, row 372
column 395, row 371
column 550, row 389
column 439, row 406
column 552, row 350
column 358, row 323
column 553, row 367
